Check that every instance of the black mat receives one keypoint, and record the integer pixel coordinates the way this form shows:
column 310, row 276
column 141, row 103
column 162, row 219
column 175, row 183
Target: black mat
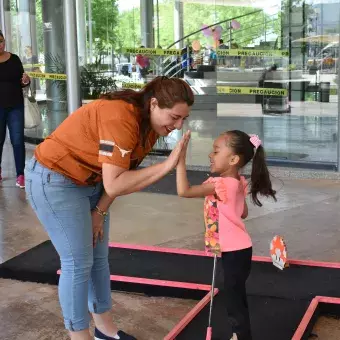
column 40, row 264
column 271, row 319
column 277, row 298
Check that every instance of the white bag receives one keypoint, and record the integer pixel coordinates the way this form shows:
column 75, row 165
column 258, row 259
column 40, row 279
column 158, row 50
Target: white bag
column 32, row 112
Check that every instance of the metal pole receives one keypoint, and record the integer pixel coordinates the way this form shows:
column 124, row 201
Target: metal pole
column 230, row 34
column 30, row 39
column 290, row 48
column 178, row 24
column 71, row 49
column 2, row 16
column 90, row 29
column 302, row 96
column 158, row 44
column 81, row 30
column 146, row 22
column 212, row 291
column 188, row 57
column 265, row 26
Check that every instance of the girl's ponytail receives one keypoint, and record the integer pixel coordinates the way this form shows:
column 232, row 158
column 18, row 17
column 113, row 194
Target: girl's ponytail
column 260, row 179
column 249, row 147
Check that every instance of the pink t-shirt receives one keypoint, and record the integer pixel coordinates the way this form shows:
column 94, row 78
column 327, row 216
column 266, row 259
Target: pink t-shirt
column 225, row 230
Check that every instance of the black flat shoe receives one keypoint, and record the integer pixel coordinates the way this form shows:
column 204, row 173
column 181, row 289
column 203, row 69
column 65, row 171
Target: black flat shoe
column 98, row 335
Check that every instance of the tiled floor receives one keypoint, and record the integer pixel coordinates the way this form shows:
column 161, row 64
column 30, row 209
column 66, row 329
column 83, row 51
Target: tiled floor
column 31, row 311
column 307, row 214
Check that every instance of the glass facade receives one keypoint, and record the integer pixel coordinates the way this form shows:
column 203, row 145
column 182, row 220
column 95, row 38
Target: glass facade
column 265, row 67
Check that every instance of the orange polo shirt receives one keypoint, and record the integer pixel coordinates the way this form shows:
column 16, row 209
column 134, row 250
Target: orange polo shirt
column 103, row 131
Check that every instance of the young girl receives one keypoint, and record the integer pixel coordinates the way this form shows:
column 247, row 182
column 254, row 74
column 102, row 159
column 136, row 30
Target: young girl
column 224, row 208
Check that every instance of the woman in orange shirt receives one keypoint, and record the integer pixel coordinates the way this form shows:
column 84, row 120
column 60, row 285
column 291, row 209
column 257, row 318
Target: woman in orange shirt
column 78, row 171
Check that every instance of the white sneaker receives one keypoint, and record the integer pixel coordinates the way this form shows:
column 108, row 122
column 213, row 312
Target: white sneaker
column 234, row 337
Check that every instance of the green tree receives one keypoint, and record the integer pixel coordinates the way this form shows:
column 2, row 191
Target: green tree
column 128, row 30
column 166, row 23
column 104, row 24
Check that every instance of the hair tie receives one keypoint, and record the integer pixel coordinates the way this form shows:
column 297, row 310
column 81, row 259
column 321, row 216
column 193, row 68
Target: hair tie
column 255, row 140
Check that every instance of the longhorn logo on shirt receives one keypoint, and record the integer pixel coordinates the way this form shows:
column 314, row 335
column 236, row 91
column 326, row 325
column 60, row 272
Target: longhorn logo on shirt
column 106, row 148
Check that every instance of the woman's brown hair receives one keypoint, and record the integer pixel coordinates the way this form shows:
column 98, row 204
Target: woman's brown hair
column 167, row 91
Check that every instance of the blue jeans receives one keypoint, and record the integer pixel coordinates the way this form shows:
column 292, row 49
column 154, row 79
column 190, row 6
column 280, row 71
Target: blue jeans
column 14, row 118
column 64, row 209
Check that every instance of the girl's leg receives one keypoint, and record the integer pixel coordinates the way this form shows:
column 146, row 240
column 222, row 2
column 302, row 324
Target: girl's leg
column 64, row 210
column 236, row 267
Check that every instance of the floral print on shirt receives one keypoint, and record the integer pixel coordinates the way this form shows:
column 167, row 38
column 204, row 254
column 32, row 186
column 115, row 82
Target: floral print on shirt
column 211, row 219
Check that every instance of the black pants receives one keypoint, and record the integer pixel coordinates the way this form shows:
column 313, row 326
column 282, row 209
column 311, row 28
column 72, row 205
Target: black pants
column 236, row 266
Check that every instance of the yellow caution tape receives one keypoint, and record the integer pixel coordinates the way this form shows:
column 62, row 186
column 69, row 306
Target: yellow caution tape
column 52, row 76
column 132, row 85
column 252, row 90
column 33, row 65
column 252, row 53
column 153, row 51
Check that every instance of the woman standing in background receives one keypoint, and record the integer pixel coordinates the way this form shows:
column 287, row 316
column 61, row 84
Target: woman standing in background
column 12, row 80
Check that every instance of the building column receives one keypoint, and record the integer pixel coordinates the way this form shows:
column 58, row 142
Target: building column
column 146, row 22
column 90, row 24
column 24, row 25
column 7, row 24
column 33, row 26
column 71, row 49
column 2, row 17
column 28, row 33
column 81, row 31
column 178, row 23
column 53, row 19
